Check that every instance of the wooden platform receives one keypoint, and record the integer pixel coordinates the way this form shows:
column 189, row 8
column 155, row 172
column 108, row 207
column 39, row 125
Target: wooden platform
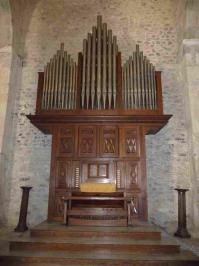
column 55, row 244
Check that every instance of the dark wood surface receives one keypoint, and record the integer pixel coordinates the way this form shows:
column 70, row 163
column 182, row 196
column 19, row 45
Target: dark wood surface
column 55, row 244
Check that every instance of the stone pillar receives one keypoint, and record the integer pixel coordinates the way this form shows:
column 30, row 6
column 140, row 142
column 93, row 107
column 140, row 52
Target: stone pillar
column 191, row 71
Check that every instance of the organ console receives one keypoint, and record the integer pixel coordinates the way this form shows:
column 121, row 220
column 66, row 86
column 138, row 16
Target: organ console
column 98, row 112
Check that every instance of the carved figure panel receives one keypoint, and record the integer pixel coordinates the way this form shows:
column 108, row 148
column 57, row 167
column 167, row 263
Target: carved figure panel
column 109, row 142
column 67, row 142
column 87, row 141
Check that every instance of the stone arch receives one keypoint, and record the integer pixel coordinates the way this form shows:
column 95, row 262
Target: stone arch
column 12, row 48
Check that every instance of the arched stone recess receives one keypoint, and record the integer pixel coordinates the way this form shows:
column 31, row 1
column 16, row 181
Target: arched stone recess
column 5, row 71
column 37, row 29
column 13, row 32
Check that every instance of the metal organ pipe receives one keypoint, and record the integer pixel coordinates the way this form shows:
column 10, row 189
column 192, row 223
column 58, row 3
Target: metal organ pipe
column 99, row 40
column 104, row 88
column 109, row 68
column 59, row 82
column 93, row 67
column 139, row 82
column 64, row 79
column 142, row 105
column 88, row 71
column 84, row 71
column 135, row 80
column 131, row 96
column 114, row 71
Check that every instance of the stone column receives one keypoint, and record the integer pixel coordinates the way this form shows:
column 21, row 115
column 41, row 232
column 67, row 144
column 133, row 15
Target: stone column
column 191, row 72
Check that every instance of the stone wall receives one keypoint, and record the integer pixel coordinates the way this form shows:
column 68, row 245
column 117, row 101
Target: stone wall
column 5, row 69
column 152, row 24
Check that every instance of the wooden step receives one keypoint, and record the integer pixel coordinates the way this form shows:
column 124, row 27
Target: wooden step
column 54, row 229
column 97, row 245
column 98, row 211
column 95, row 258
column 85, row 221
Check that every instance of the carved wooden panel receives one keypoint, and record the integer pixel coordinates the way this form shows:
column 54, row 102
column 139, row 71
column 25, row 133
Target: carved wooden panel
column 87, row 141
column 63, row 173
column 67, row 142
column 59, row 204
column 129, row 142
column 109, row 142
column 132, row 174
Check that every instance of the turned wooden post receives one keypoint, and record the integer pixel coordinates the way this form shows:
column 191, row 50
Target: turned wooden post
column 21, row 227
column 182, row 222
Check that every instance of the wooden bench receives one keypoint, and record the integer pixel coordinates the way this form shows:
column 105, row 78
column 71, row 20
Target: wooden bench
column 111, row 208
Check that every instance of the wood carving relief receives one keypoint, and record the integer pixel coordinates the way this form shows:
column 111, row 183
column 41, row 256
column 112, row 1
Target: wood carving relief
column 63, row 169
column 59, row 206
column 109, row 142
column 87, row 141
column 131, row 174
column 67, row 142
column 130, row 147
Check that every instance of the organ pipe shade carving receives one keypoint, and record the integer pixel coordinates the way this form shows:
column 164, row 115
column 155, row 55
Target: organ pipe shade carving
column 60, row 82
column 138, row 82
column 98, row 88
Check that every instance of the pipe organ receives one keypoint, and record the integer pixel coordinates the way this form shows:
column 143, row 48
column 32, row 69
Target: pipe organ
column 98, row 111
column 60, row 82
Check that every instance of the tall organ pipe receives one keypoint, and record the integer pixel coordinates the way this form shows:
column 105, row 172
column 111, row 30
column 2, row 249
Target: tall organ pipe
column 142, row 79
column 138, row 75
column 93, row 67
column 99, row 32
column 49, row 84
column 68, row 81
column 154, row 86
column 64, row 79
column 84, row 71
column 44, row 88
column 135, row 80
column 109, row 68
column 60, row 75
column 88, row 71
column 114, row 70
column 53, row 82
column 104, row 89
column 131, row 96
